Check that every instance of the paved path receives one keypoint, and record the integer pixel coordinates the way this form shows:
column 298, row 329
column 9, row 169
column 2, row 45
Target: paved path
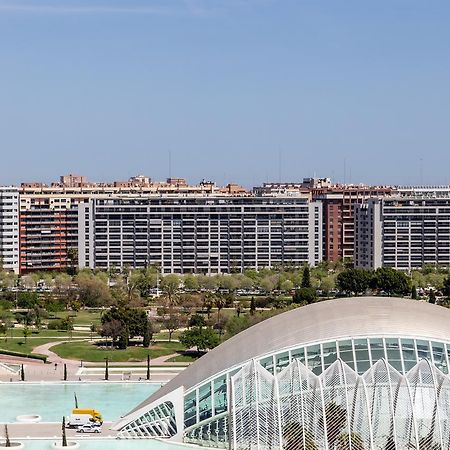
column 51, row 430
column 53, row 370
column 52, row 357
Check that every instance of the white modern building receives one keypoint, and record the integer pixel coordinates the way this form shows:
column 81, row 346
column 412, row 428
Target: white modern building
column 9, row 228
column 403, row 232
column 359, row 373
column 199, row 233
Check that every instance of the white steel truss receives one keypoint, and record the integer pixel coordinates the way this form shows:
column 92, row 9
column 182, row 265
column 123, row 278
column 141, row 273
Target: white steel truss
column 339, row 409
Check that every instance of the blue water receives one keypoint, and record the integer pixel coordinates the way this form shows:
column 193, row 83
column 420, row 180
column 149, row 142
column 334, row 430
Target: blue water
column 116, row 444
column 53, row 400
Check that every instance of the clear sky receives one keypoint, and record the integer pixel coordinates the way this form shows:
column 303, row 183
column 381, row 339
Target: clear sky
column 235, row 90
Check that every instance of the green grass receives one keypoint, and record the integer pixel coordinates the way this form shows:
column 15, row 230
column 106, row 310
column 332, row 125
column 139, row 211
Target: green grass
column 62, row 334
column 87, row 351
column 82, row 318
column 19, row 345
column 164, row 335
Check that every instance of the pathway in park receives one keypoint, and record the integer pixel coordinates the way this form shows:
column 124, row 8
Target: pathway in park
column 53, row 369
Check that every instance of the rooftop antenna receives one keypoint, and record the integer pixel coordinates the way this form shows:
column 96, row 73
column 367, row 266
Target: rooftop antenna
column 279, row 166
column 170, row 163
column 345, row 170
column 421, row 171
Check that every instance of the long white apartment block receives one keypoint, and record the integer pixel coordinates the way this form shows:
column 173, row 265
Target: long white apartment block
column 403, row 232
column 9, row 228
column 200, row 234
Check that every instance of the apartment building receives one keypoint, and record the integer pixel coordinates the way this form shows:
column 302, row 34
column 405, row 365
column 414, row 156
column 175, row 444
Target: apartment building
column 218, row 233
column 48, row 230
column 403, row 232
column 49, row 213
column 338, row 202
column 9, row 228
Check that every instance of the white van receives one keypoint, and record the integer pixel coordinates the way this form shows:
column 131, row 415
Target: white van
column 78, row 420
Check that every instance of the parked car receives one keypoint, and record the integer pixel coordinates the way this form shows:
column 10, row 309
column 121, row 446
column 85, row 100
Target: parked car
column 89, row 428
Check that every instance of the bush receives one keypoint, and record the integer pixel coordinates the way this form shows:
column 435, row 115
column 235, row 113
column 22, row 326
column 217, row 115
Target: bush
column 262, row 302
column 61, row 324
column 23, row 355
column 305, row 294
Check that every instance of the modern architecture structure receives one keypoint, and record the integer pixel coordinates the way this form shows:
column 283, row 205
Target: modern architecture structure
column 403, row 232
column 218, row 233
column 9, row 228
column 360, row 373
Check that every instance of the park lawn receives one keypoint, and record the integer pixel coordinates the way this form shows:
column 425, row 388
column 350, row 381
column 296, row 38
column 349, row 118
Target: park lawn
column 85, row 317
column 164, row 335
column 19, row 345
column 43, row 333
column 87, row 351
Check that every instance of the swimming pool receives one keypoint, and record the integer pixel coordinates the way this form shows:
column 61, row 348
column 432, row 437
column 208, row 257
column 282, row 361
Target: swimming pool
column 53, row 400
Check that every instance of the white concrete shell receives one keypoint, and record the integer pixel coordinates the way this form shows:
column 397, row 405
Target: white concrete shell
column 364, row 318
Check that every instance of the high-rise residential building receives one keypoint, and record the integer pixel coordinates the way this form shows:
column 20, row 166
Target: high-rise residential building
column 48, row 231
column 338, row 204
column 49, row 214
column 403, row 232
column 218, row 233
column 338, row 216
column 9, row 228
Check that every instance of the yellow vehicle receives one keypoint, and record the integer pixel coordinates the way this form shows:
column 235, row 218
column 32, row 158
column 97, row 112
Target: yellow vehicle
column 96, row 415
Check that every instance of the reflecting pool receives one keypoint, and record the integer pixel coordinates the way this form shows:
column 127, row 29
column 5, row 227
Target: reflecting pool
column 53, row 400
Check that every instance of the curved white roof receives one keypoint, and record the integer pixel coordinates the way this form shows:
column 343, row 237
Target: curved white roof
column 323, row 321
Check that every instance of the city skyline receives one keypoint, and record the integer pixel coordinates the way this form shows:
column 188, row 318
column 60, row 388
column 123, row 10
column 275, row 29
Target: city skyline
column 243, row 91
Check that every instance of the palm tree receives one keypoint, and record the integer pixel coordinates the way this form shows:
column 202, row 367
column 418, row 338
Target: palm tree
column 220, row 304
column 170, row 286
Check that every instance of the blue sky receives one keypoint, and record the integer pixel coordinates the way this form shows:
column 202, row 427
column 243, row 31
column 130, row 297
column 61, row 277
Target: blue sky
column 235, row 90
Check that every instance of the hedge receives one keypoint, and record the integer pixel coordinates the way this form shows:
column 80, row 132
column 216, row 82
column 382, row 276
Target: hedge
column 24, row 355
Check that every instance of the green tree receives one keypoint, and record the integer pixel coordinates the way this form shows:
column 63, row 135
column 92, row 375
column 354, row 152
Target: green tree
column 146, row 281
column 170, row 285
column 252, row 306
column 208, row 303
column 63, row 433
column 391, row 281
column 414, row 292
column 203, row 338
column 196, row 320
column 72, row 257
column 172, row 322
column 220, row 303
column 93, row 290
column 286, row 286
column 191, row 283
column 327, row 284
column 446, row 287
column 306, row 278
column 26, row 332
column 353, row 281
column 304, row 294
